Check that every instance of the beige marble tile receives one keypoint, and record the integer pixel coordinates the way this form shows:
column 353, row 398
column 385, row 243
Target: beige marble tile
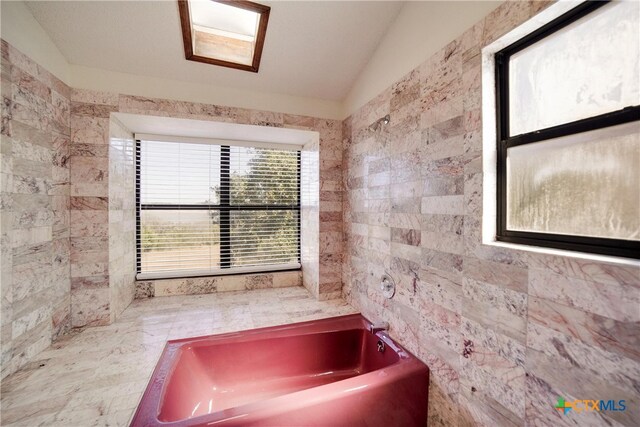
column 504, row 332
column 35, row 209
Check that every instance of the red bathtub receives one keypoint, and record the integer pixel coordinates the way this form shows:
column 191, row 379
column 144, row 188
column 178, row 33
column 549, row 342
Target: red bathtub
column 327, row 372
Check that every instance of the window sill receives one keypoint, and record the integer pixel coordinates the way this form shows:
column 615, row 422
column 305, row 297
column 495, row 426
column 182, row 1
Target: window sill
column 564, row 253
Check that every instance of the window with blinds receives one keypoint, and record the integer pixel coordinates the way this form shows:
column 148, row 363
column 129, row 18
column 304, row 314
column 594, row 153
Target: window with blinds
column 207, row 209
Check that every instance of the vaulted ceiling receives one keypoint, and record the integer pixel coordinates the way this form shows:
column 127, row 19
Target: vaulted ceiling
column 313, row 49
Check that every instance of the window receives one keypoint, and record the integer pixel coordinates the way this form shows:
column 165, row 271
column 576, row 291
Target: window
column 209, row 209
column 568, row 127
column 228, row 33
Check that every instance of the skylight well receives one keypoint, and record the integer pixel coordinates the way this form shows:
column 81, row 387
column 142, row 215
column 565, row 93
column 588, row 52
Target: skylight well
column 225, row 33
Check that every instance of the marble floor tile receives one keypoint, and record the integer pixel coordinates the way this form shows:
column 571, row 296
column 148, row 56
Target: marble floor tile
column 96, row 376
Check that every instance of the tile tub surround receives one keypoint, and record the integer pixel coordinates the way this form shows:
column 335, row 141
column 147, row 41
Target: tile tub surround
column 65, row 385
column 504, row 332
column 34, row 212
column 208, row 285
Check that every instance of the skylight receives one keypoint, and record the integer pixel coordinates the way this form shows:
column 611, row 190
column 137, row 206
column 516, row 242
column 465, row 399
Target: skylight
column 225, row 33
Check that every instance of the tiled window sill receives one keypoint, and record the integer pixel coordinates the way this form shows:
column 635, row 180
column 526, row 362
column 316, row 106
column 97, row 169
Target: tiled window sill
column 212, row 284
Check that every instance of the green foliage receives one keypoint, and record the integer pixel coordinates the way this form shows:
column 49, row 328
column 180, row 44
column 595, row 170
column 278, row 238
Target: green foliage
column 271, row 179
column 270, row 234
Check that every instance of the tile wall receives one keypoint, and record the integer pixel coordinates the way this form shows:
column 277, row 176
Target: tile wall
column 208, row 285
column 310, row 216
column 34, row 209
column 504, row 332
column 122, row 217
column 92, row 111
column 90, row 118
column 90, row 209
column 67, row 224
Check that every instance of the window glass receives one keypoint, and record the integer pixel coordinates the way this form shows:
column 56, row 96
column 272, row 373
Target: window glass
column 588, row 68
column 584, row 184
column 263, row 176
column 207, row 209
column 179, row 173
column 173, row 240
column 264, row 237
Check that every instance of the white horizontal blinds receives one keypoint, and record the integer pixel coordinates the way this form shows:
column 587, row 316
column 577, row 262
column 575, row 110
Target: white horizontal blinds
column 171, row 178
column 179, row 173
column 193, row 220
column 266, row 182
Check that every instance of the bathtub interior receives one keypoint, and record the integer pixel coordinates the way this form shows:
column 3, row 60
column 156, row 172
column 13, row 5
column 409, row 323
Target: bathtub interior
column 208, row 377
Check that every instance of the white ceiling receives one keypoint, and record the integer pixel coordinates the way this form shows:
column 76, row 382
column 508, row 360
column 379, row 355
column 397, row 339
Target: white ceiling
column 313, row 49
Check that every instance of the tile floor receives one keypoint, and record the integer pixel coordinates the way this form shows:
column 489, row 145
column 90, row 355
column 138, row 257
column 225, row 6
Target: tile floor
column 96, row 376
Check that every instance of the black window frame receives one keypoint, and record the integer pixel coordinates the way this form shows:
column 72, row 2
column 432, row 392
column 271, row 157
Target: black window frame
column 597, row 245
column 224, row 207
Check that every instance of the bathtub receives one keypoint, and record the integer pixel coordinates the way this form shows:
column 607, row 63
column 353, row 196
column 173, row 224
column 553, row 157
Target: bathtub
column 326, row 372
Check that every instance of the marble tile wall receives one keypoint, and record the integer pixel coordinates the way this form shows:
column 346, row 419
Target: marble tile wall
column 504, row 332
column 328, row 194
column 331, row 236
column 92, row 192
column 34, row 221
column 209, row 285
column 329, row 245
column 122, row 217
column 67, row 225
column 310, row 216
column 90, row 209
